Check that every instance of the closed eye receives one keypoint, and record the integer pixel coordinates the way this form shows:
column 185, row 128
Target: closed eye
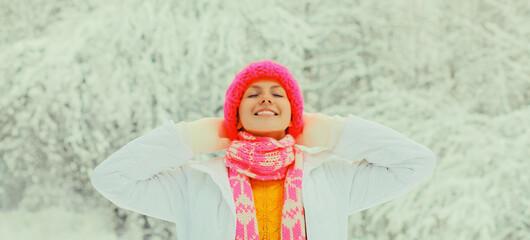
column 273, row 94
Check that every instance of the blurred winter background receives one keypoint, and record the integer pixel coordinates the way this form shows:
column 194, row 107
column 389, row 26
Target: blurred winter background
column 80, row 79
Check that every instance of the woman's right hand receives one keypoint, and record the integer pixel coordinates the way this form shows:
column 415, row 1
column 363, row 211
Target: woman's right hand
column 208, row 135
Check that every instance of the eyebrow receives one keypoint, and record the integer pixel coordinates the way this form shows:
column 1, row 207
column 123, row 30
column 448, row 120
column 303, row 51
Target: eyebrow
column 258, row 87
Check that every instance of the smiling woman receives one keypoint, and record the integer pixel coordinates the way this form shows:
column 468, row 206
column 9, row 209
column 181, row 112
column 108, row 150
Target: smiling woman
column 265, row 110
column 264, row 187
column 264, row 85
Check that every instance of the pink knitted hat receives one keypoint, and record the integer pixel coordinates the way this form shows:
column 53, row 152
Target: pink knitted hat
column 260, row 70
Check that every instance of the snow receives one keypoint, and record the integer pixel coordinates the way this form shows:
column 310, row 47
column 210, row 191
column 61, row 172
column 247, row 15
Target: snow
column 56, row 223
column 80, row 79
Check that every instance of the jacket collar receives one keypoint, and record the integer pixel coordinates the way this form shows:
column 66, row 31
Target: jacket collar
column 219, row 172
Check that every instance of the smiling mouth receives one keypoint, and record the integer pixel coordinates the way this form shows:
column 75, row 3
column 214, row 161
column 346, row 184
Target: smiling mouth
column 266, row 115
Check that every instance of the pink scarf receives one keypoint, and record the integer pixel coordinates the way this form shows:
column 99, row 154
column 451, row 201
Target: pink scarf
column 266, row 158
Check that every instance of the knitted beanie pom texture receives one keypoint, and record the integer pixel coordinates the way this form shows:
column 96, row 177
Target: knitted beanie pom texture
column 266, row 69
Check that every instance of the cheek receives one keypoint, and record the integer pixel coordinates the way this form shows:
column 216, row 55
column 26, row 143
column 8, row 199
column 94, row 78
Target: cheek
column 243, row 107
column 243, row 110
column 288, row 112
column 287, row 106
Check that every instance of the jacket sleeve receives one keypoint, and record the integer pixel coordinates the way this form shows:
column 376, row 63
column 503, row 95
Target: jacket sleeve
column 145, row 175
column 382, row 163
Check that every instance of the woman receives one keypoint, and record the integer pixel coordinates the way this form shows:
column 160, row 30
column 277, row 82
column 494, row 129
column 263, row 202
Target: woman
column 265, row 186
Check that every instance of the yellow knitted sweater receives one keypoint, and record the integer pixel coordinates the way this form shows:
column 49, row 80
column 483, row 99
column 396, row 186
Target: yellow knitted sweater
column 268, row 200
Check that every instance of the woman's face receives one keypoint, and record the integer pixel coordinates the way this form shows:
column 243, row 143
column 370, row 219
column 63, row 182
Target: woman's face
column 265, row 93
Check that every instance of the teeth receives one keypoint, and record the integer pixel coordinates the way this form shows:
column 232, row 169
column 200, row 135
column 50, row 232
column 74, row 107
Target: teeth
column 265, row 112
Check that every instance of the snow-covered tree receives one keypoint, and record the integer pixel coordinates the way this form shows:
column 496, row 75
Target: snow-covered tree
column 80, row 79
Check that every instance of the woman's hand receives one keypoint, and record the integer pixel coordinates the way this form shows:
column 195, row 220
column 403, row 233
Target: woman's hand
column 208, row 135
column 316, row 130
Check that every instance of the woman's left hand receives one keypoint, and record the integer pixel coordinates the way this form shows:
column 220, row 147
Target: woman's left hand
column 316, row 130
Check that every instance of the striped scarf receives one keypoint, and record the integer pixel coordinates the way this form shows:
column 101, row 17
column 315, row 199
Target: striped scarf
column 266, row 158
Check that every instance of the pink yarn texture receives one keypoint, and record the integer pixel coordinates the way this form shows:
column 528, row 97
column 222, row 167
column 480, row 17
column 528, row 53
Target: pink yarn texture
column 260, row 70
column 266, row 158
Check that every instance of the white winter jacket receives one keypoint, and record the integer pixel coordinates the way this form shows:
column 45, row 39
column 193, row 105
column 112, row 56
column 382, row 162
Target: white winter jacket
column 367, row 164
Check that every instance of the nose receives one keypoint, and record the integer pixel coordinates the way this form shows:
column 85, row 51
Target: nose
column 266, row 98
